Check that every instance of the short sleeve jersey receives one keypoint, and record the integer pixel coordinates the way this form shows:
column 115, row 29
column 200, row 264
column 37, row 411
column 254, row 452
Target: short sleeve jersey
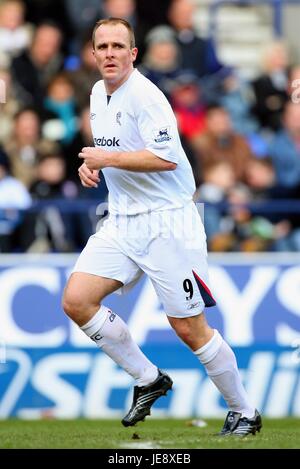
column 137, row 117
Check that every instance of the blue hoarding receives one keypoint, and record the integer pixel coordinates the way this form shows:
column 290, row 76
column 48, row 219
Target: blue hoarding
column 49, row 367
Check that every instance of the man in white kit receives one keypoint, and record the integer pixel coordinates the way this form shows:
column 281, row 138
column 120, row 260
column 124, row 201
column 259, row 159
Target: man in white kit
column 153, row 227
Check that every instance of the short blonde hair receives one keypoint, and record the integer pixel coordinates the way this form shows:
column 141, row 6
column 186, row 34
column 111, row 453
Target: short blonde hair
column 115, row 21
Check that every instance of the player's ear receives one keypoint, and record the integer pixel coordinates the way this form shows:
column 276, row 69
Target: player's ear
column 134, row 53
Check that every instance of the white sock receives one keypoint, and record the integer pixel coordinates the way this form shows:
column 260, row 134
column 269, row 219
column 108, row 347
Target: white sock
column 221, row 366
column 112, row 335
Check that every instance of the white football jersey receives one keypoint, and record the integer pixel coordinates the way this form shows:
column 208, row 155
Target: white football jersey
column 140, row 117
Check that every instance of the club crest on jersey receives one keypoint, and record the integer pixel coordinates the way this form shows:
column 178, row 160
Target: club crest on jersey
column 92, row 116
column 118, row 117
column 162, row 135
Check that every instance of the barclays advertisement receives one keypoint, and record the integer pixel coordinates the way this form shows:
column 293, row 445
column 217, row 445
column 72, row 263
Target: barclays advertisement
column 49, row 368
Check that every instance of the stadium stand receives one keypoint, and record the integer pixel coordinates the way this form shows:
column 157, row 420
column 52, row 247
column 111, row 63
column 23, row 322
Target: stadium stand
column 252, row 93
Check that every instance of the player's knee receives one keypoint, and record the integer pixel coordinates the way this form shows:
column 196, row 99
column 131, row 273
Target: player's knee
column 73, row 305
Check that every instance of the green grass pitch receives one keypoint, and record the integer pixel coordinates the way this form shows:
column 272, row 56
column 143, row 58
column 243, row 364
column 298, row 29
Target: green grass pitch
column 152, row 434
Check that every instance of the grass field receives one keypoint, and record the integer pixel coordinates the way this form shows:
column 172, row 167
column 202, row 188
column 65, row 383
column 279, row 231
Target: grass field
column 152, row 434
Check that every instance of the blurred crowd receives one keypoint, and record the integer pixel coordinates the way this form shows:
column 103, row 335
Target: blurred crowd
column 242, row 137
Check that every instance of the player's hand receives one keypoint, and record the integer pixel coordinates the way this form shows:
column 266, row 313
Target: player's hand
column 94, row 158
column 87, row 177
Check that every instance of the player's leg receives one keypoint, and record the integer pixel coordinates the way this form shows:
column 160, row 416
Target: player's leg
column 83, row 294
column 194, row 331
column 181, row 283
column 82, row 303
column 96, row 275
column 206, row 343
column 221, row 366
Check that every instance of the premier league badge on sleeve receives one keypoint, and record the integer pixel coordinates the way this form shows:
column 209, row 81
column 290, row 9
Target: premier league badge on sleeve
column 162, row 135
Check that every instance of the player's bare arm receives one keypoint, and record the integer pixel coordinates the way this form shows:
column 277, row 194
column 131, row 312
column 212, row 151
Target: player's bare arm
column 137, row 161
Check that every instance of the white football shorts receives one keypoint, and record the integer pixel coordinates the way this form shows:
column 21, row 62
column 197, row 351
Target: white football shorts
column 169, row 246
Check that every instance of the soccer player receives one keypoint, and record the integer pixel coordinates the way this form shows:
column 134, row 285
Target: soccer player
column 153, row 227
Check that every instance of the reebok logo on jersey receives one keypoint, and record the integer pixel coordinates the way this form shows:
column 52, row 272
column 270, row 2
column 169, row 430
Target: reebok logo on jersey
column 110, row 142
column 162, row 135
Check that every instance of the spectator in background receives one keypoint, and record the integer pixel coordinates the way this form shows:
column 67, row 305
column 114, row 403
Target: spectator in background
column 227, row 219
column 127, row 10
column 197, row 53
column 33, row 69
column 85, row 76
column 15, row 34
column 282, row 229
column 237, row 98
column 270, row 88
column 188, row 105
column 261, row 178
column 285, row 152
column 229, row 222
column 40, row 11
column 219, row 142
column 50, row 229
column 252, row 233
column 161, row 60
column 217, row 180
column 9, row 108
column 24, row 145
column 61, row 123
column 14, row 197
column 81, row 14
column 82, row 139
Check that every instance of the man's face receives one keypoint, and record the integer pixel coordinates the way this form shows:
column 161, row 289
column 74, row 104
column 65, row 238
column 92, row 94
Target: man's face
column 218, row 123
column 46, row 44
column 119, row 8
column 113, row 55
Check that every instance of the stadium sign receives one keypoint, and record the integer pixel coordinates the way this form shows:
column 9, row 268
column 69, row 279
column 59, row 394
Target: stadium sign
column 68, row 383
column 48, row 367
column 258, row 302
